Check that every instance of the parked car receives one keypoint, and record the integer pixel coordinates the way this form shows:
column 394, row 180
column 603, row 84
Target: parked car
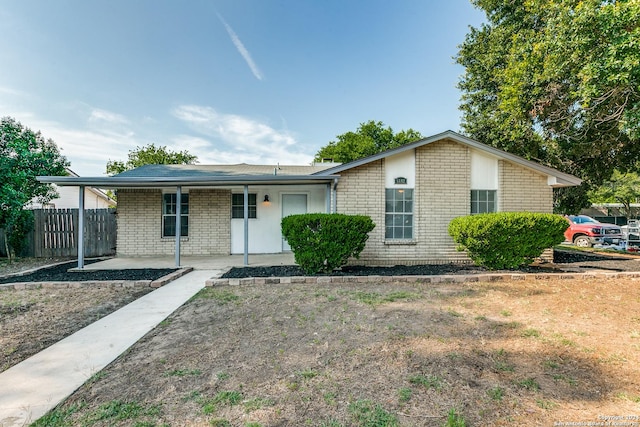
column 585, row 232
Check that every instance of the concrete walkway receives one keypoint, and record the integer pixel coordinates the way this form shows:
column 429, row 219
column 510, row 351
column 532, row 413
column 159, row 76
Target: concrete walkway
column 31, row 388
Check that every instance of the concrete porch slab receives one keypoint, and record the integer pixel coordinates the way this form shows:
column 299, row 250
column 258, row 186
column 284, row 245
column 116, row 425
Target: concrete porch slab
column 197, row 262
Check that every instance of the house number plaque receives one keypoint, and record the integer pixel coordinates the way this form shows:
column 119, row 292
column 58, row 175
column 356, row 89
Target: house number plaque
column 401, row 180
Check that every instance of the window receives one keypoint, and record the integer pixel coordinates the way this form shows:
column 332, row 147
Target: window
column 483, row 201
column 399, row 213
column 169, row 215
column 237, row 205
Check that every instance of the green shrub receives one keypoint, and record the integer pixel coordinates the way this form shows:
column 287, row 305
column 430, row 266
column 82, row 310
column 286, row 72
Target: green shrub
column 18, row 225
column 507, row 240
column 324, row 242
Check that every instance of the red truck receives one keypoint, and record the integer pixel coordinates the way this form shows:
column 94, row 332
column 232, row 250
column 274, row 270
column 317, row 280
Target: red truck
column 585, row 232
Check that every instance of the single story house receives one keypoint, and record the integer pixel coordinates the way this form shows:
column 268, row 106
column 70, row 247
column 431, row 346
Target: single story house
column 411, row 193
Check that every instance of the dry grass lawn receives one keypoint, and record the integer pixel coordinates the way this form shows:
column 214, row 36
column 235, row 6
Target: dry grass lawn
column 497, row 353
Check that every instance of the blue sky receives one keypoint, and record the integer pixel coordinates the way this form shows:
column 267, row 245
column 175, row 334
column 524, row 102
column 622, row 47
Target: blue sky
column 231, row 81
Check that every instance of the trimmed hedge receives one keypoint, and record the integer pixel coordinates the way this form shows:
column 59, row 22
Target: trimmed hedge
column 507, row 240
column 323, row 242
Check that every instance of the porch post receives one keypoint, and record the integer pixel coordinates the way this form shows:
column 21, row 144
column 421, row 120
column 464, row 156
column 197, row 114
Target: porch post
column 246, row 225
column 80, row 242
column 178, row 222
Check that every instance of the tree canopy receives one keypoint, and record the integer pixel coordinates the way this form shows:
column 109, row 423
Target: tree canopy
column 150, row 155
column 370, row 138
column 556, row 82
column 622, row 188
column 24, row 155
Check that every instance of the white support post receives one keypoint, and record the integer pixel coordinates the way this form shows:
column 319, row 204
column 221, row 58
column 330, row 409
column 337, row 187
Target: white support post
column 178, row 222
column 81, row 227
column 246, row 225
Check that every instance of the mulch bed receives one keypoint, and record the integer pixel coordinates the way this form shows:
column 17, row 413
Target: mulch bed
column 560, row 259
column 61, row 273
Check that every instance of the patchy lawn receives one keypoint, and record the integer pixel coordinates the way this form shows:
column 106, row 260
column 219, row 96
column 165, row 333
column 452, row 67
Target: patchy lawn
column 517, row 353
column 33, row 319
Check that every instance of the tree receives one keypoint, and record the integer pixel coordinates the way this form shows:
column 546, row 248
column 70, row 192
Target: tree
column 150, row 155
column 556, row 82
column 24, row 155
column 370, row 138
column 623, row 188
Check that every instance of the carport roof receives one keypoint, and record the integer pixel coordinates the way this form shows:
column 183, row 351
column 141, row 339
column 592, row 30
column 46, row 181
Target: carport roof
column 158, row 176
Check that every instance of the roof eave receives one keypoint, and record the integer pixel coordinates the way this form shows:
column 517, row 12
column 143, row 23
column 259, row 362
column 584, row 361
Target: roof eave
column 199, row 181
column 563, row 179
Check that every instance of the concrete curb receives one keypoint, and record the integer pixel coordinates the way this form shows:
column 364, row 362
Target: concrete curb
column 95, row 283
column 450, row 278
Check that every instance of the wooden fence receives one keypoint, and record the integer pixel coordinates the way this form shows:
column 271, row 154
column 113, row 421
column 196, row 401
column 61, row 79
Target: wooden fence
column 55, row 233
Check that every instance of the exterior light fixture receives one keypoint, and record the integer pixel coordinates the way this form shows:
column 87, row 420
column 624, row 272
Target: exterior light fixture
column 266, row 199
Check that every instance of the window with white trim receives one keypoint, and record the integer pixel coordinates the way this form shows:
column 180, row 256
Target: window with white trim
column 399, row 213
column 237, row 205
column 483, row 201
column 169, row 205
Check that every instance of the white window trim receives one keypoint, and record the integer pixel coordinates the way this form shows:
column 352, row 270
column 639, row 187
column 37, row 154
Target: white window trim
column 242, row 217
column 163, row 216
column 401, row 240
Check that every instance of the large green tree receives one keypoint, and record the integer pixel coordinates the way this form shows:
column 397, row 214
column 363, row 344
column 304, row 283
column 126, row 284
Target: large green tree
column 621, row 188
column 558, row 82
column 150, row 155
column 370, row 138
column 24, row 155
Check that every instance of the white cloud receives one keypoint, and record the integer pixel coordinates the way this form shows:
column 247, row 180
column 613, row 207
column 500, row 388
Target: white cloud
column 243, row 140
column 98, row 115
column 241, row 49
column 12, row 92
column 87, row 148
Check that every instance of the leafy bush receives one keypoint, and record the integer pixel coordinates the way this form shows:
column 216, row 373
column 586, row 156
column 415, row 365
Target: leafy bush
column 323, row 242
column 507, row 240
column 18, row 224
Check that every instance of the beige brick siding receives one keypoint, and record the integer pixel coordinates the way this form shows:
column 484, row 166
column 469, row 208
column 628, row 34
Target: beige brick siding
column 523, row 190
column 140, row 224
column 442, row 192
column 361, row 192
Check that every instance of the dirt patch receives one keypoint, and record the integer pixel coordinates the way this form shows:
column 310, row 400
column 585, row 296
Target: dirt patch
column 33, row 319
column 511, row 353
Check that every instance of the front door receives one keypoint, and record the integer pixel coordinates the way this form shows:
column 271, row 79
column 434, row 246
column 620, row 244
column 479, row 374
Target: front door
column 292, row 204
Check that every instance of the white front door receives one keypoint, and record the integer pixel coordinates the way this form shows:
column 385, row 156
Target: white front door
column 292, row 204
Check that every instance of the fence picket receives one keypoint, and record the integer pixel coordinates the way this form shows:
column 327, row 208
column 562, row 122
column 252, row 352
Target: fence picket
column 55, row 233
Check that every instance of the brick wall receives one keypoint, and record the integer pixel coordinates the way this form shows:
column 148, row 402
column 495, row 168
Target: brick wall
column 361, row 192
column 140, row 224
column 442, row 192
column 209, row 223
column 522, row 190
